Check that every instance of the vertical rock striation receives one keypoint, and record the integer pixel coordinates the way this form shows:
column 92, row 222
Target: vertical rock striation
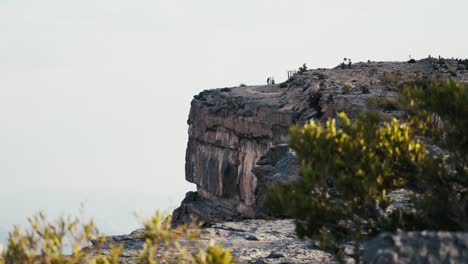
column 229, row 131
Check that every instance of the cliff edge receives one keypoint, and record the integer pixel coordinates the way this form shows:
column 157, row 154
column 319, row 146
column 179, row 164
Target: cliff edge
column 237, row 144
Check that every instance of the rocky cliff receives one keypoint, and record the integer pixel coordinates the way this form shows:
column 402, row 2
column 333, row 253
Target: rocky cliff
column 237, row 136
column 238, row 149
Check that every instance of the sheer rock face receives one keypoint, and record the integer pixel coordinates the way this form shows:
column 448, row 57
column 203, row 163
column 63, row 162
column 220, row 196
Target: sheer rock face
column 228, row 133
column 237, row 136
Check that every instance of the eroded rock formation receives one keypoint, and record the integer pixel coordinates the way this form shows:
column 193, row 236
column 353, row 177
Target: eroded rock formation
column 229, row 131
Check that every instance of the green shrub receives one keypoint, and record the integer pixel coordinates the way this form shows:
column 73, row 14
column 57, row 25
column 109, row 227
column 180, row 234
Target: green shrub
column 437, row 110
column 347, row 87
column 213, row 254
column 345, row 174
column 44, row 242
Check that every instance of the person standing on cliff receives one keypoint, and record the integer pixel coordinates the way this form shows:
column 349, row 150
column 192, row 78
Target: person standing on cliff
column 268, row 80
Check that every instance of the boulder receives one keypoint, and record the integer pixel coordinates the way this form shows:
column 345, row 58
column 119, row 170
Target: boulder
column 417, row 247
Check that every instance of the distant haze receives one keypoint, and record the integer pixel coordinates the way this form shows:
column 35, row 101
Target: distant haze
column 94, row 95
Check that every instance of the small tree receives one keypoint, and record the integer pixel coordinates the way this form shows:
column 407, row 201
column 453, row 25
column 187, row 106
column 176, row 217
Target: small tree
column 345, row 175
column 437, row 110
column 347, row 87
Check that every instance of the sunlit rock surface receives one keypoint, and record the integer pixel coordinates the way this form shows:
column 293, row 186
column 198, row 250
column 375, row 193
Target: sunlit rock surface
column 251, row 241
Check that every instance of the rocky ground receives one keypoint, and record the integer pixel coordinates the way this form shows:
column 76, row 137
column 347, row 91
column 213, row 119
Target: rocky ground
column 252, row 241
column 274, row 242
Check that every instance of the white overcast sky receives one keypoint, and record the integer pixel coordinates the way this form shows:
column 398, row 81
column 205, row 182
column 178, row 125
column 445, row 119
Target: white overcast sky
column 95, row 94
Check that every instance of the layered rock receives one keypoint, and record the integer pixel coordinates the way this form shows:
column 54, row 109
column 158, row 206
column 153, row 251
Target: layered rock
column 229, row 131
column 237, row 136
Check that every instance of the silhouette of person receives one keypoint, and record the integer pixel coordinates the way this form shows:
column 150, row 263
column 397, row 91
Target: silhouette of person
column 268, row 80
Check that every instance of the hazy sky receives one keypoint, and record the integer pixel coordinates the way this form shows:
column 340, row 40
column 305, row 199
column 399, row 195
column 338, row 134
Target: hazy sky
column 95, row 94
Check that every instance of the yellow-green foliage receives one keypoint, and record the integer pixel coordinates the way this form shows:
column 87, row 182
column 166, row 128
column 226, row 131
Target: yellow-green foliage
column 346, row 172
column 438, row 110
column 430, row 100
column 44, row 241
column 213, row 254
column 178, row 242
column 347, row 87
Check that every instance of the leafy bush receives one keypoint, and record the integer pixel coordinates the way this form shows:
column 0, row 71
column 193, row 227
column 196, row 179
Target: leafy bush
column 437, row 110
column 44, row 243
column 346, row 89
column 430, row 100
column 159, row 232
column 345, row 174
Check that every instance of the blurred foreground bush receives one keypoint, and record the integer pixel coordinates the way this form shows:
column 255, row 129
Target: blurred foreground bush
column 44, row 243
